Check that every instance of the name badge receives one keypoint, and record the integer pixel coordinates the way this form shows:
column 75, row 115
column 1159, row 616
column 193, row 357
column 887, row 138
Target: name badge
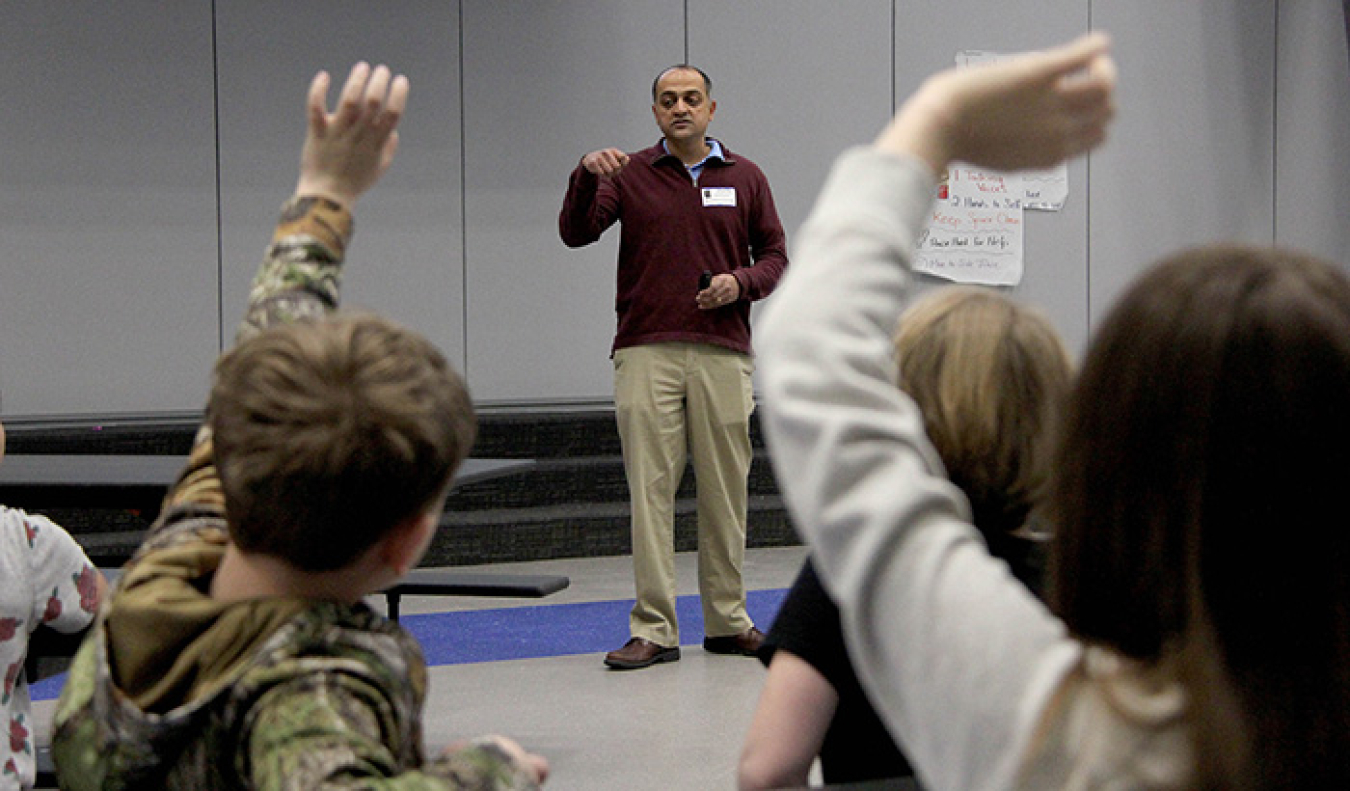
column 719, row 196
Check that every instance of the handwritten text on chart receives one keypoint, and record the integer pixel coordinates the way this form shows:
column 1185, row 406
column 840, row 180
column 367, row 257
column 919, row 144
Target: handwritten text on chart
column 974, row 231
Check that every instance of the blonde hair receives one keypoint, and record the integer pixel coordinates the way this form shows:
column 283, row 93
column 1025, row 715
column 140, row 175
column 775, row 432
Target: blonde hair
column 990, row 376
column 328, row 433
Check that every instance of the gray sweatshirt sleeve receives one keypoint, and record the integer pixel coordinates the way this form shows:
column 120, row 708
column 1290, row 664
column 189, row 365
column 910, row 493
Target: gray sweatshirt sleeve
column 958, row 657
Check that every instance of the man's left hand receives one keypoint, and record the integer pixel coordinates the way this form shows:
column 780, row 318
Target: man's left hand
column 724, row 290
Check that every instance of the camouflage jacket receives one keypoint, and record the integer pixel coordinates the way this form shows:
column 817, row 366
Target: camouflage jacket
column 175, row 690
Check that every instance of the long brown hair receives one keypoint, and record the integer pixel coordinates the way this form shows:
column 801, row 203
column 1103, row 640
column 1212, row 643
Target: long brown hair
column 1199, row 511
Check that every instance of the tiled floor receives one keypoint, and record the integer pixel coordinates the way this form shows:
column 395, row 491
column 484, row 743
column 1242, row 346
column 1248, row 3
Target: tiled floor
column 676, row 726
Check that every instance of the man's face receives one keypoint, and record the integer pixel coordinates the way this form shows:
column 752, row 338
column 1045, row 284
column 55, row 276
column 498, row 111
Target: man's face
column 683, row 109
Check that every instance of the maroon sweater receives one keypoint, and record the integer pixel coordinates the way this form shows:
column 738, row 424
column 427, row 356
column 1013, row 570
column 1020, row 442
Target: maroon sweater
column 668, row 237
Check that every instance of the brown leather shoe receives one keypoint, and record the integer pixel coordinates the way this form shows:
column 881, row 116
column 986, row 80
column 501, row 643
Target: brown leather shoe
column 744, row 644
column 639, row 652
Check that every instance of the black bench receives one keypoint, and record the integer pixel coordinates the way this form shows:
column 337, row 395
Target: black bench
column 138, row 483
column 450, row 582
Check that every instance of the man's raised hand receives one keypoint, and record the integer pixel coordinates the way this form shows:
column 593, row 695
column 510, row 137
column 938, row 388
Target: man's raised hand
column 606, row 163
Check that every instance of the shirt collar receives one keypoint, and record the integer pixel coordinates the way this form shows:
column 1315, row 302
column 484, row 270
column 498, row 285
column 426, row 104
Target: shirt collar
column 714, row 152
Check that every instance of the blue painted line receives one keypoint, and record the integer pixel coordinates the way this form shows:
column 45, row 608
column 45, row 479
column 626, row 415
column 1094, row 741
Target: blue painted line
column 555, row 630
column 48, row 688
column 457, row 638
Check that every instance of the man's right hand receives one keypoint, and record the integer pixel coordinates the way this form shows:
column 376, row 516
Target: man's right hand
column 606, row 163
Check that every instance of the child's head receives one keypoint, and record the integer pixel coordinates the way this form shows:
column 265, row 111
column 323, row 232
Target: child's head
column 1199, row 497
column 990, row 376
column 329, row 433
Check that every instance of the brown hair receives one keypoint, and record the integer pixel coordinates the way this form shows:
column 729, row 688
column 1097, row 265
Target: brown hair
column 990, row 376
column 1198, row 509
column 328, row 433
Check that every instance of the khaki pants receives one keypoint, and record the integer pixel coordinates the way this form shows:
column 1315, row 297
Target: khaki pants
column 673, row 399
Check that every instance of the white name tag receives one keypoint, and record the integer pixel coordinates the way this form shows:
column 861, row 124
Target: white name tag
column 719, row 196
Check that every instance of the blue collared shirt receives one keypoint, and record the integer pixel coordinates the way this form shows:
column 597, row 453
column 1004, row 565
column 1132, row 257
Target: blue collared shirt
column 696, row 169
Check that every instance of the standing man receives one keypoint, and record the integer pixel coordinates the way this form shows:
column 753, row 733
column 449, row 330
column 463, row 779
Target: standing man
column 700, row 240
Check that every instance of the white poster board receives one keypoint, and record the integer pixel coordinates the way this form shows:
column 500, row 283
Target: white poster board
column 974, row 234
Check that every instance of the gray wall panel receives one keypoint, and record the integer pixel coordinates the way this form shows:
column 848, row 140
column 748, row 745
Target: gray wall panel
column 1191, row 157
column 927, row 38
column 107, row 207
column 406, row 258
column 796, row 82
column 1231, row 126
column 1312, row 159
column 544, row 83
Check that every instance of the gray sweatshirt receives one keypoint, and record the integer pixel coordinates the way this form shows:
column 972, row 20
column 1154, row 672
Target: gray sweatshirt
column 982, row 685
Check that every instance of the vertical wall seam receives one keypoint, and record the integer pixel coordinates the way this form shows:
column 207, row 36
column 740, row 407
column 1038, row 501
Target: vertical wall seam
column 463, row 207
column 1275, row 130
column 1087, row 229
column 220, row 226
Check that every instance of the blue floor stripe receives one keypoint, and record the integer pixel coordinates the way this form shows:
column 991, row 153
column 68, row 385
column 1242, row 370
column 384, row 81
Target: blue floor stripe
column 556, row 630
column 457, row 638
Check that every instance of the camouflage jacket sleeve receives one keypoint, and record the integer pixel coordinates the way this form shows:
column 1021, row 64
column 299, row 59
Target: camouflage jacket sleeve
column 324, row 732
column 301, row 275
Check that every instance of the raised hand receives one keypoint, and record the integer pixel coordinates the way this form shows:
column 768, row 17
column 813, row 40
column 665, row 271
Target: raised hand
column 347, row 151
column 606, row 163
column 1032, row 111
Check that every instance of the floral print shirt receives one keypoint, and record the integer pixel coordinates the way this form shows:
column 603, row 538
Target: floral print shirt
column 45, row 580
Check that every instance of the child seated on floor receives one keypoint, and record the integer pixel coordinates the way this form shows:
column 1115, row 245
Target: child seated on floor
column 236, row 651
column 45, row 580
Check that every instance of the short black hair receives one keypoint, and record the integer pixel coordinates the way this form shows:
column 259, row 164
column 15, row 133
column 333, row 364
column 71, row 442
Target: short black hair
column 707, row 81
